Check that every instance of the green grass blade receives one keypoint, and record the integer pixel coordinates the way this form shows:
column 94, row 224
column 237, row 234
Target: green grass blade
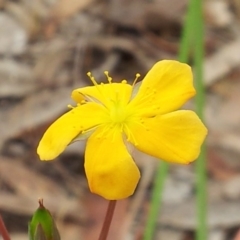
column 201, row 180
column 186, row 43
column 192, row 39
column 156, row 200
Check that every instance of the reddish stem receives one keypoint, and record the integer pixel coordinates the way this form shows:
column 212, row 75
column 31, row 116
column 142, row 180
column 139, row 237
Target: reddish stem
column 3, row 230
column 107, row 220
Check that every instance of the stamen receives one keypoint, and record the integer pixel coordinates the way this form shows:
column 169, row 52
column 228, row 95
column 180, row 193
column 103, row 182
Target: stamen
column 104, row 131
column 108, row 77
column 99, row 88
column 70, row 106
column 136, row 78
column 134, row 89
column 115, row 131
column 122, row 128
column 130, row 135
column 89, row 74
column 124, row 81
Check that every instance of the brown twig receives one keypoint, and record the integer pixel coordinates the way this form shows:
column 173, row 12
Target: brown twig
column 107, row 221
column 3, row 230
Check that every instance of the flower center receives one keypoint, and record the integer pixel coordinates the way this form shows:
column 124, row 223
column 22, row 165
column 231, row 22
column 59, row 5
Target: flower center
column 118, row 113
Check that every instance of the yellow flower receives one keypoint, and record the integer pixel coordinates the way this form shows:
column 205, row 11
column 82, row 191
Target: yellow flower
column 114, row 115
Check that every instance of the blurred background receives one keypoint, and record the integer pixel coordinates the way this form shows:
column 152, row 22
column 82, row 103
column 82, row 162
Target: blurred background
column 46, row 48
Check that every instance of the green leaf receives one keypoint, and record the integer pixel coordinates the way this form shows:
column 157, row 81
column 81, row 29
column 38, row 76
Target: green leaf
column 42, row 225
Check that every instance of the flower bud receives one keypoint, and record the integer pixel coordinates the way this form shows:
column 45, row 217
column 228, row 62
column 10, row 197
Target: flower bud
column 42, row 225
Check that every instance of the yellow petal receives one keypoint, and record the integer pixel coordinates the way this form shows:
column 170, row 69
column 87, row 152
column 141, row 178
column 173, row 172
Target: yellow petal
column 166, row 87
column 107, row 94
column 110, row 170
column 67, row 127
column 174, row 137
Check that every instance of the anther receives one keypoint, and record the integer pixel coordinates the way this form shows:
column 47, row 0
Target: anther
column 124, row 81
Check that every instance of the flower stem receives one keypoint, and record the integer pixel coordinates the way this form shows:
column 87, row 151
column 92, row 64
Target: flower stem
column 3, row 230
column 108, row 219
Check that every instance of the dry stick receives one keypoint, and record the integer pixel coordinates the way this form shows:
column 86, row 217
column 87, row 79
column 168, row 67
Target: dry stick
column 3, row 230
column 107, row 220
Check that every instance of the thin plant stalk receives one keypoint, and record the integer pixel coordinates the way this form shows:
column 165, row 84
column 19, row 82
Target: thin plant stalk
column 191, row 40
column 158, row 188
column 201, row 181
column 3, row 230
column 186, row 42
column 108, row 219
